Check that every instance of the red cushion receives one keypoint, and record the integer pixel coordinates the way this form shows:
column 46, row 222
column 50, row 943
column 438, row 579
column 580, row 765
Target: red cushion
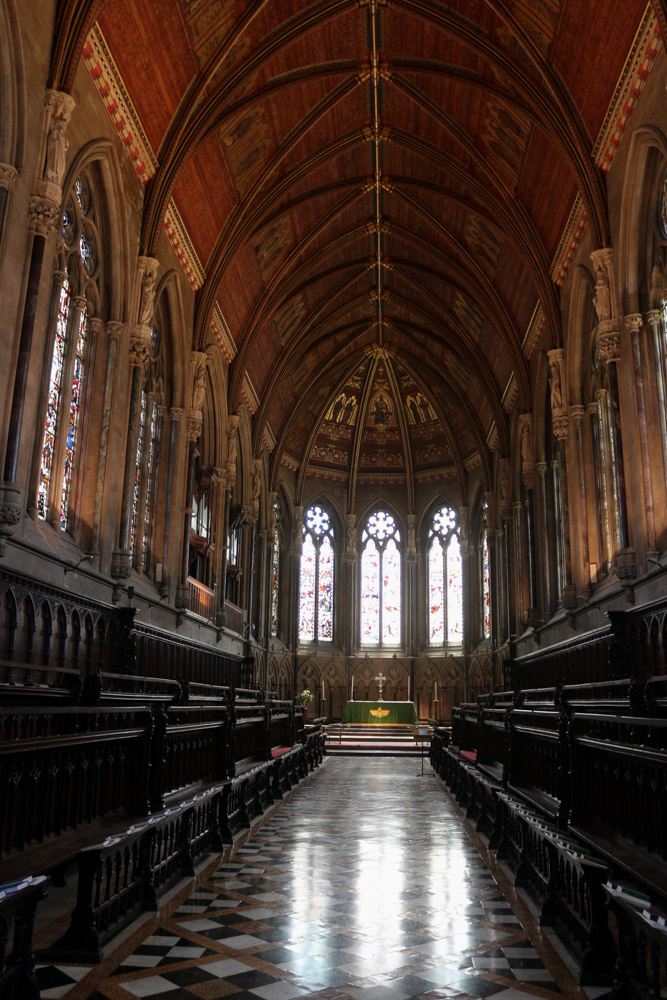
column 470, row 755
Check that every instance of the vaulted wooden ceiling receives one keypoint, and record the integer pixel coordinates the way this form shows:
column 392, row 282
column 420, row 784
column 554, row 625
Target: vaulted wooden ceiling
column 376, row 190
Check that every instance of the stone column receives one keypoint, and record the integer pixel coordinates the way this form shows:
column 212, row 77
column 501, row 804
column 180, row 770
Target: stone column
column 506, row 514
column 8, row 175
column 528, row 476
column 59, row 278
column 175, row 414
column 634, row 323
column 561, row 432
column 139, row 356
column 43, row 214
column 655, row 320
column 517, row 510
column 600, row 501
column 577, row 414
column 350, row 563
column 193, row 430
column 114, row 330
column 411, row 561
column 541, row 483
column 138, row 548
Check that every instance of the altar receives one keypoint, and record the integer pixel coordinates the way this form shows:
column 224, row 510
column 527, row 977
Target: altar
column 381, row 713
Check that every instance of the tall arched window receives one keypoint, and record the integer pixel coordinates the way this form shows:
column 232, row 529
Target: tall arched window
column 316, row 590
column 445, row 579
column 486, row 576
column 381, row 581
column 275, row 569
column 61, row 441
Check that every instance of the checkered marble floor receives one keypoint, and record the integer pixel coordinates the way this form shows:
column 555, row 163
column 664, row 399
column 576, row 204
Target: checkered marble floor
column 364, row 886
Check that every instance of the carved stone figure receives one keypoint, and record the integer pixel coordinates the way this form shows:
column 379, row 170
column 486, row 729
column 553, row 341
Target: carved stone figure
column 56, row 152
column 526, row 443
column 232, row 443
column 256, row 481
column 555, row 381
column 145, row 317
column 602, row 298
column 199, row 388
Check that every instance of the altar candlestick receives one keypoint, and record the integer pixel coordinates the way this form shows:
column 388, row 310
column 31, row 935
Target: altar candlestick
column 323, row 689
column 408, row 688
column 436, row 690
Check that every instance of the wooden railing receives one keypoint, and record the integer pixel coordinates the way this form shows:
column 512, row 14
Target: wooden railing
column 128, row 873
column 18, row 902
column 202, row 599
column 69, row 771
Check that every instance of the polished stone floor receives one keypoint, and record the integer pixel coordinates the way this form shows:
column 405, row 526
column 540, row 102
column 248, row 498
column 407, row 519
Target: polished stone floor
column 365, row 885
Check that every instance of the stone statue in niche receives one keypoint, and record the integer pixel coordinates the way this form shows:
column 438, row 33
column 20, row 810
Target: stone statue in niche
column 256, row 483
column 556, row 390
column 56, row 152
column 199, row 389
column 526, row 446
column 602, row 298
column 147, row 296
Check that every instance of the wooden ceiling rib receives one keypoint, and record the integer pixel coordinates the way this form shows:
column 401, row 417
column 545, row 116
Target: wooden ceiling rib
column 361, row 175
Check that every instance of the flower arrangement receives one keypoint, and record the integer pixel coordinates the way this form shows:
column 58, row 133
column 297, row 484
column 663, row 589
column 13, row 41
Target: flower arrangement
column 305, row 698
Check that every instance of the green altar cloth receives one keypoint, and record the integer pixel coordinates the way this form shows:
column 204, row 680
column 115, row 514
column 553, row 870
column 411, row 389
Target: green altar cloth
column 401, row 713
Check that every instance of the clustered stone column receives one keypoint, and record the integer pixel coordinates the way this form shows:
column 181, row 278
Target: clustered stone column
column 635, row 324
column 506, row 515
column 609, row 346
column 561, row 429
column 114, row 330
column 655, row 321
column 8, row 175
column 528, row 476
column 43, row 214
column 138, row 358
column 193, row 428
column 577, row 415
column 228, row 482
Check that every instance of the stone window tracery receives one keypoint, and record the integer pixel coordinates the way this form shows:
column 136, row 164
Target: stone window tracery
column 381, row 581
column 316, row 583
column 445, row 579
column 78, row 278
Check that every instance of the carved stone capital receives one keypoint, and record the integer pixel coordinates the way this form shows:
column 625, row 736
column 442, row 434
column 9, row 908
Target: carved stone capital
column 59, row 104
column 653, row 316
column 602, row 259
column 193, row 424
column 95, row 325
column 121, row 565
column 44, row 208
column 10, row 512
column 592, row 409
column 528, row 476
column 626, row 565
column 577, row 411
column 8, row 175
column 147, row 265
column 609, row 343
column 140, row 350
column 114, row 329
column 561, row 425
column 634, row 322
column 175, row 413
column 541, row 467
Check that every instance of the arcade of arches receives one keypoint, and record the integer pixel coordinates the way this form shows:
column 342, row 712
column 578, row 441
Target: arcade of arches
column 272, row 271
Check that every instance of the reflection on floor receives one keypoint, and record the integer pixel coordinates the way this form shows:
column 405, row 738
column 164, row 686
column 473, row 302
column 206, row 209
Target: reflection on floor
column 365, row 886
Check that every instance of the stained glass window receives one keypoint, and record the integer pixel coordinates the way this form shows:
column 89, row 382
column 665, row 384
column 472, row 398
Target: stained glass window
column 381, row 581
column 74, row 415
column 275, row 580
column 445, row 579
column 316, row 585
column 136, row 488
column 486, row 588
column 55, row 389
column 150, row 485
column 61, row 442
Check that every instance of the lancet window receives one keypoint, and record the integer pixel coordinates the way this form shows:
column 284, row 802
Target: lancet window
column 316, row 584
column 445, row 579
column 381, row 581
column 486, row 576
column 275, row 570
column 77, row 295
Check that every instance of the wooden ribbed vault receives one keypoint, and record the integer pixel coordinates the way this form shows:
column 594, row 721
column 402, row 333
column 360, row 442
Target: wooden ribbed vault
column 376, row 191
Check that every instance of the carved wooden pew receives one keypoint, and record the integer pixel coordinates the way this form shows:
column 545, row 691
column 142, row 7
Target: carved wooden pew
column 18, row 903
column 641, row 970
